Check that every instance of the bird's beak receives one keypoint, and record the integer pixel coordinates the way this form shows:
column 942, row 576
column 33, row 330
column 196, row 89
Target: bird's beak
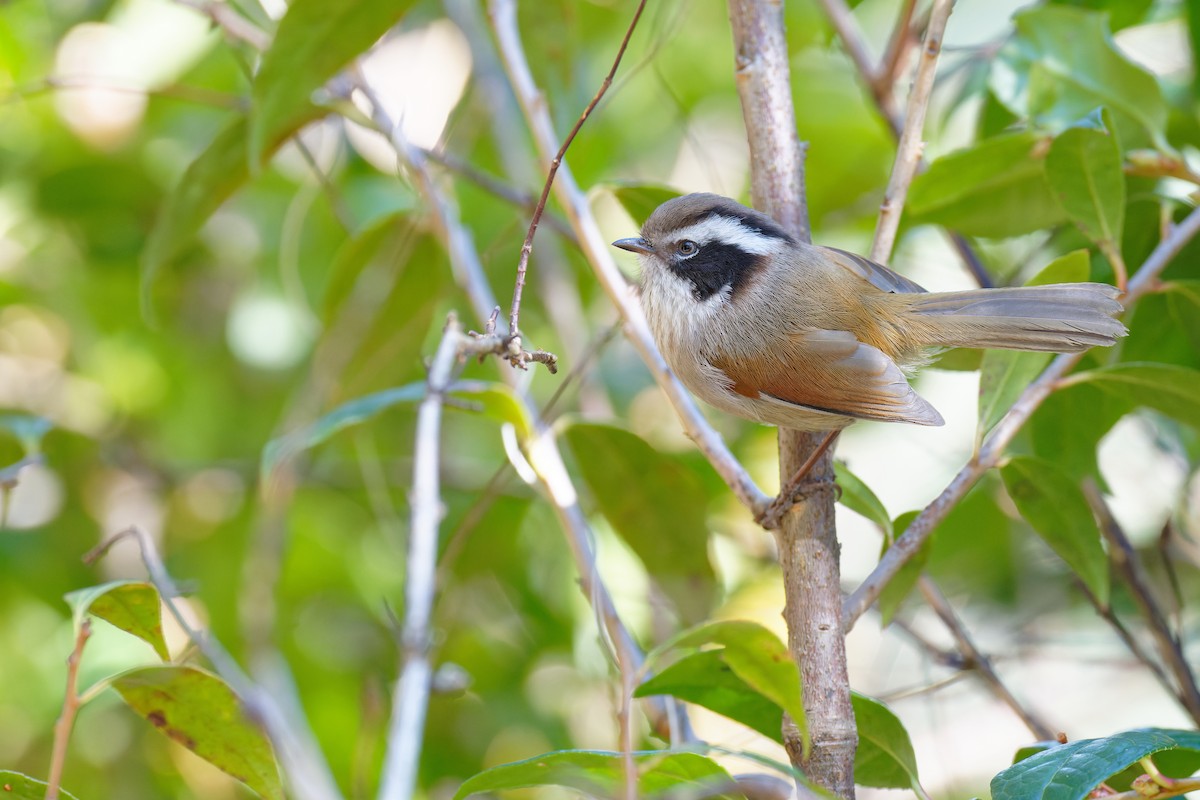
column 635, row 245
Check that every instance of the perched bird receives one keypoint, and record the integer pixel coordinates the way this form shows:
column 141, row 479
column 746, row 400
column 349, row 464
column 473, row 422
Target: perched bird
column 786, row 333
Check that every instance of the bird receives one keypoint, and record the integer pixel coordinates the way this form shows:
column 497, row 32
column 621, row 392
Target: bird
column 775, row 330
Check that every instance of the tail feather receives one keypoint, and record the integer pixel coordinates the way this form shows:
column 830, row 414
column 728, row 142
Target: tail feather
column 1058, row 318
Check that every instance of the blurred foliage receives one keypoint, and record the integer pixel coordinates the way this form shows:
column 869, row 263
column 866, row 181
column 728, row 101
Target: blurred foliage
column 217, row 332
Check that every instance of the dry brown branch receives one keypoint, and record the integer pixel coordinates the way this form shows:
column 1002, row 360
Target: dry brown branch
column 66, row 718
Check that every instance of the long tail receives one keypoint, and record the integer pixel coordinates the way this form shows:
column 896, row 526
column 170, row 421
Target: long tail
column 1059, row 318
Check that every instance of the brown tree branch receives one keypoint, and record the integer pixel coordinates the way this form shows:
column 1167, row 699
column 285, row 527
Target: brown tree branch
column 992, row 451
column 807, row 538
column 1125, row 561
column 66, row 719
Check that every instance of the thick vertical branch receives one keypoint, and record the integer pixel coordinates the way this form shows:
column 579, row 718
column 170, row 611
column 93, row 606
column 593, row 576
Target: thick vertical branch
column 808, row 546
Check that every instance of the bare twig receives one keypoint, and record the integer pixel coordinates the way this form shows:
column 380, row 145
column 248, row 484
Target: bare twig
column 235, row 26
column 992, row 451
column 901, row 41
column 976, row 660
column 411, row 698
column 807, row 538
column 908, row 151
column 1125, row 560
column 307, row 773
column 596, row 250
column 66, row 719
column 855, row 43
column 527, row 246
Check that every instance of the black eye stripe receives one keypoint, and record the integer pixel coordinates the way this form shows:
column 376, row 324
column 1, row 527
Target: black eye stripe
column 715, row 266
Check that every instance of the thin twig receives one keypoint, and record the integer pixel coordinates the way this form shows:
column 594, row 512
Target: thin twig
column 411, row 697
column 976, row 660
column 307, row 772
column 596, row 250
column 786, row 499
column 992, row 451
column 235, row 26
column 527, row 245
column 848, row 31
column 908, row 150
column 901, row 41
column 66, row 719
column 1125, row 560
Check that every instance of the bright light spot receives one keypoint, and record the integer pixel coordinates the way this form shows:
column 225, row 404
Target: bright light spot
column 214, row 495
column 35, row 500
column 267, row 331
column 106, row 106
column 419, row 77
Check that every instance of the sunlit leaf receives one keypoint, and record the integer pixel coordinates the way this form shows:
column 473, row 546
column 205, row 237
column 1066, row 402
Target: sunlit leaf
column 1085, row 171
column 1072, row 267
column 705, row 679
column 885, row 757
column 1071, row 771
column 15, row 786
column 132, row 606
column 858, row 497
column 756, row 656
column 1063, row 64
column 994, row 188
column 1052, row 502
column 199, row 711
column 602, row 774
column 1172, row 390
column 314, row 41
column 656, row 505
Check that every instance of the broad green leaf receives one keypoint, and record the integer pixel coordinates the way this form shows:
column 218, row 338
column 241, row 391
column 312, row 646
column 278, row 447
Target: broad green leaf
column 1051, row 501
column 1071, row 771
column 1072, row 267
column 641, row 200
column 378, row 240
column 1166, row 326
column 314, row 41
column 1085, row 171
column 859, row 498
column 15, row 786
column 995, row 188
column 1063, row 64
column 885, row 757
column 602, row 774
column 656, row 505
column 1121, row 13
column 496, row 401
column 27, row 429
column 1069, row 424
column 756, row 656
column 705, row 679
column 199, row 711
column 901, row 585
column 1172, row 390
column 350, row 413
column 1003, row 376
column 210, row 180
column 132, row 606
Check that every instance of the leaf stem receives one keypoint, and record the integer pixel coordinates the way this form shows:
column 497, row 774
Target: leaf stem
column 66, row 719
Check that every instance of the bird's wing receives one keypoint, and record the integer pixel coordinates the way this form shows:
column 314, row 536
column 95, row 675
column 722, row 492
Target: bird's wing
column 877, row 275
column 830, row 371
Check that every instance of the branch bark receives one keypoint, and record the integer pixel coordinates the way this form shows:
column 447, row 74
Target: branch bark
column 807, row 537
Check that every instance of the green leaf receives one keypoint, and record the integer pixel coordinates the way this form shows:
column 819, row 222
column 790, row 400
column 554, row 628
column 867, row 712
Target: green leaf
column 1003, row 376
column 756, row 656
column 859, row 498
column 1166, row 326
column 656, row 505
column 885, row 758
column 132, row 606
column 1063, row 64
column 350, row 413
column 1072, row 267
column 901, row 585
column 498, row 402
column 15, row 786
column 1173, row 390
column 1069, row 425
column 314, row 41
column 1051, row 501
column 207, row 183
column 705, row 679
column 995, row 188
column 199, row 711
column 602, row 774
column 1085, row 171
column 1071, row 771
column 640, row 200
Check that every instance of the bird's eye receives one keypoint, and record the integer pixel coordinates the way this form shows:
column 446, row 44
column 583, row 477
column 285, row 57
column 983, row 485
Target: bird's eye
column 688, row 248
